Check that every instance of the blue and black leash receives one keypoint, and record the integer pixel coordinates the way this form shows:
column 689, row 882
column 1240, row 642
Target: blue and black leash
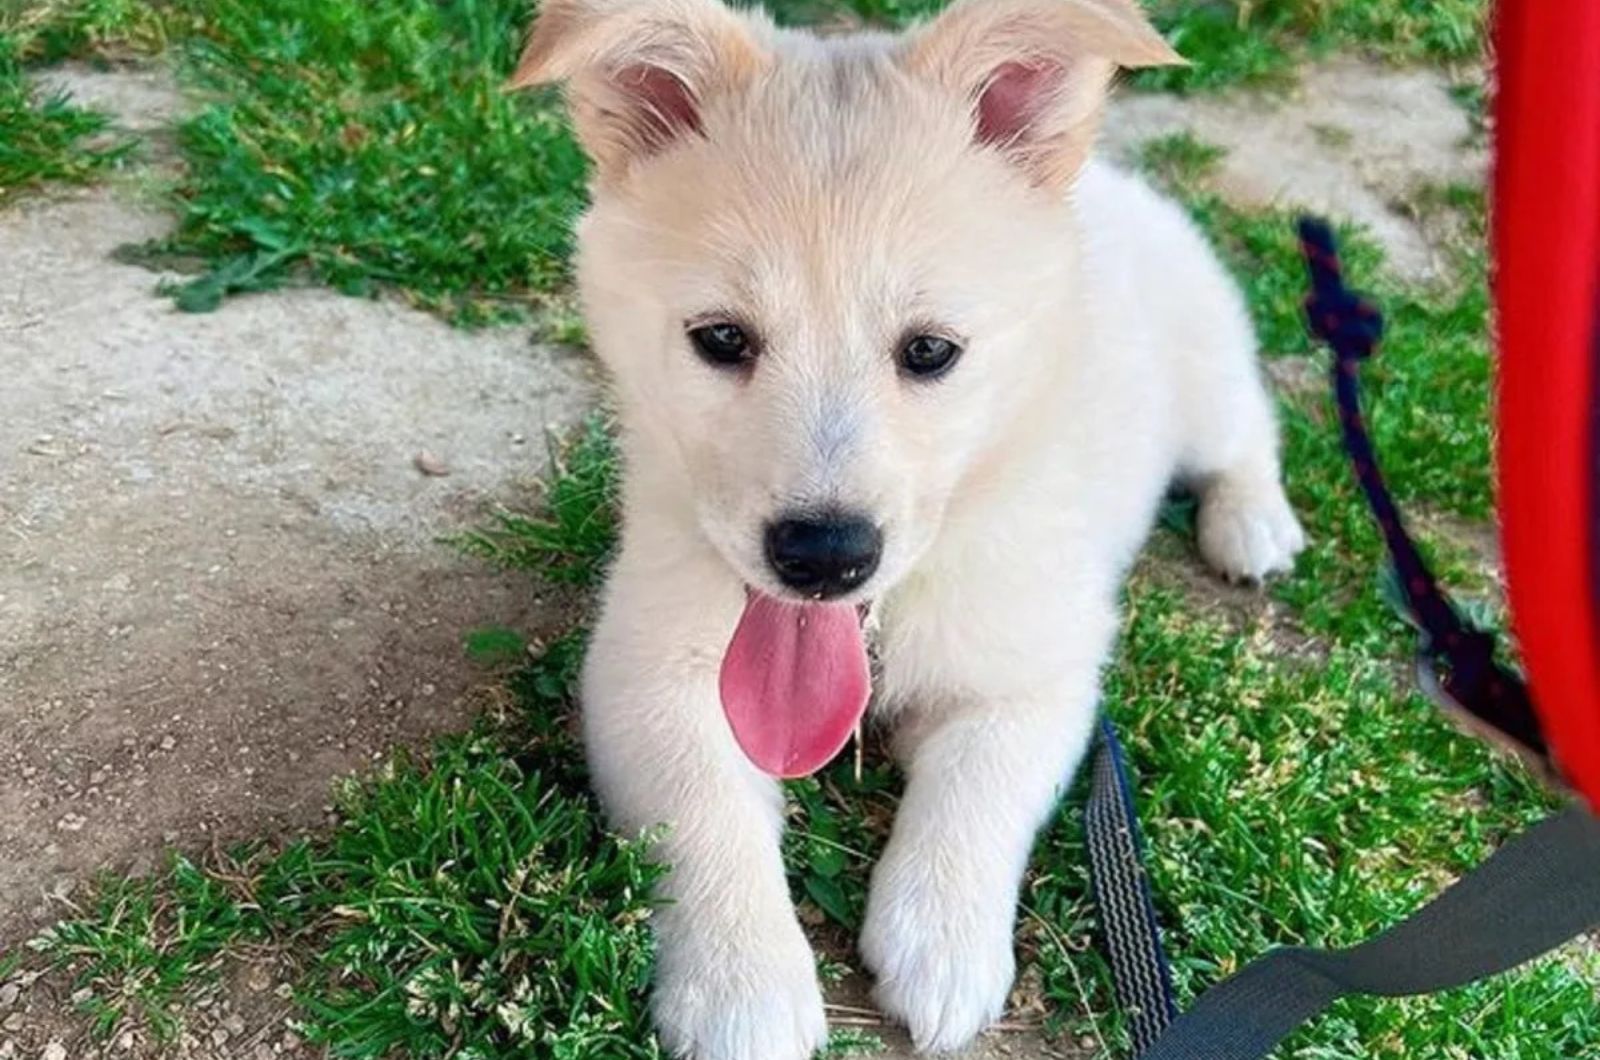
column 1538, row 891
column 1455, row 658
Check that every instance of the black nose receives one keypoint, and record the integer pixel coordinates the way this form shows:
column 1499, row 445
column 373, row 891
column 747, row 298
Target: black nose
column 824, row 556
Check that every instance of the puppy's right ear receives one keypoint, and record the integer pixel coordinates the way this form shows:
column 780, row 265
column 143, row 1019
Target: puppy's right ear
column 639, row 72
column 1035, row 72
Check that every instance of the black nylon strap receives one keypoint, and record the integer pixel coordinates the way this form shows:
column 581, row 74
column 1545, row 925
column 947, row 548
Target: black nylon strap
column 1128, row 921
column 1539, row 891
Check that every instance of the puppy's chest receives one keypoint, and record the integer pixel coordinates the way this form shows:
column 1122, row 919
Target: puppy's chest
column 953, row 639
column 912, row 654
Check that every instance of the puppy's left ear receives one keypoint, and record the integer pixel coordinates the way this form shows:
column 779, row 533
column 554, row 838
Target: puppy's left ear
column 1036, row 72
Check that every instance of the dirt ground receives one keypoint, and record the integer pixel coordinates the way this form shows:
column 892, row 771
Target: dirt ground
column 1351, row 139
column 221, row 581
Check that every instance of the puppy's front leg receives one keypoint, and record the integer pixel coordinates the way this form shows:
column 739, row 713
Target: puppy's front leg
column 983, row 776
column 735, row 978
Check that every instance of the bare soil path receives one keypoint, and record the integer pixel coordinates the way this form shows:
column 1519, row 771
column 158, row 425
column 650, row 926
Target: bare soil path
column 221, row 581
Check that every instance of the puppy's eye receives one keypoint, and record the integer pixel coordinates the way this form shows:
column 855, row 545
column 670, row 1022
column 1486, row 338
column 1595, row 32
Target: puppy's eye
column 928, row 356
column 724, row 345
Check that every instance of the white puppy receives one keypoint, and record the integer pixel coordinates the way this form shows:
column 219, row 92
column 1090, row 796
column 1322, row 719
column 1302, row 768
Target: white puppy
column 881, row 333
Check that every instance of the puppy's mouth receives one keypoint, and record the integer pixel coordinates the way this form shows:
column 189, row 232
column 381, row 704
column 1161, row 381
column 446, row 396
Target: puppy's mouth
column 795, row 682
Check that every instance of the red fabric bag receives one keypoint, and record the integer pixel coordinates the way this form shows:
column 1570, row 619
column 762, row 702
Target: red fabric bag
column 1547, row 289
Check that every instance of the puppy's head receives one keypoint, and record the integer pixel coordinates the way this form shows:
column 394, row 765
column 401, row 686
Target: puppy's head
column 822, row 272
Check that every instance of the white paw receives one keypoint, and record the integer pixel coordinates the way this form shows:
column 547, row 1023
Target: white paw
column 754, row 999
column 1247, row 534
column 942, row 955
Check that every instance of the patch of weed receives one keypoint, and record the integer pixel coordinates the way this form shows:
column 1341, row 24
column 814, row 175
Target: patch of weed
column 99, row 30
column 563, row 322
column 468, row 904
column 1231, row 42
column 144, row 945
column 570, row 540
column 495, row 646
column 479, row 911
column 366, row 145
column 870, row 12
column 44, row 138
column 837, row 824
column 1472, row 97
column 847, row 1043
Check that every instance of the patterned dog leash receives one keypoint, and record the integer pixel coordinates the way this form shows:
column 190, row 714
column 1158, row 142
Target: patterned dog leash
column 1456, row 663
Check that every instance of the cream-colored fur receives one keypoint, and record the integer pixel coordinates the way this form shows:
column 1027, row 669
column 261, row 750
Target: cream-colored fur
column 830, row 195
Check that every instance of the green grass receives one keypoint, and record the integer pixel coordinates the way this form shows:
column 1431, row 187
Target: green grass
column 145, row 945
column 569, row 541
column 1287, row 803
column 365, row 145
column 467, row 905
column 846, row 1044
column 1261, row 41
column 369, row 146
column 480, row 912
column 100, row 31
column 359, row 145
column 44, row 139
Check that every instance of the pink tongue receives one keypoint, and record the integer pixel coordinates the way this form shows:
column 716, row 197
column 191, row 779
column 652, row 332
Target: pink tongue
column 794, row 683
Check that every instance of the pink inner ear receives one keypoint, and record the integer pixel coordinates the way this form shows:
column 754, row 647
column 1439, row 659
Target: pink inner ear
column 1017, row 93
column 666, row 107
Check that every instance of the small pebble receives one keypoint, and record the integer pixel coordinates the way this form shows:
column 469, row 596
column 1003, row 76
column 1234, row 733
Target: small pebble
column 430, row 465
